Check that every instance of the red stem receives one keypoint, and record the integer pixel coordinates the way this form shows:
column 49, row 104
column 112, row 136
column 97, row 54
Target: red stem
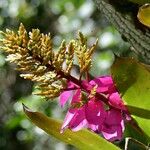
column 79, row 83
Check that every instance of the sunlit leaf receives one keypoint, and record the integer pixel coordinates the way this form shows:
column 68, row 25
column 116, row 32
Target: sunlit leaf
column 83, row 140
column 144, row 15
column 143, row 113
column 133, row 82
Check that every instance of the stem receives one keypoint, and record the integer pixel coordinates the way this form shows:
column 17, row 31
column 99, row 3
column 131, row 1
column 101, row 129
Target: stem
column 74, row 80
column 79, row 83
column 87, row 76
column 61, row 74
column 70, row 89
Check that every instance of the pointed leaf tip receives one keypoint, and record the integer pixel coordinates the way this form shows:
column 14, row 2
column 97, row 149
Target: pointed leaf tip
column 26, row 109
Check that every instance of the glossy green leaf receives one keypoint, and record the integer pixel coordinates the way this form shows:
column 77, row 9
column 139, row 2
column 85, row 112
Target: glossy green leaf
column 133, row 82
column 144, row 15
column 83, row 140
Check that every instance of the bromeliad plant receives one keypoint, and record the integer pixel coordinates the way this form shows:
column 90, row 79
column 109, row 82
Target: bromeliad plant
column 95, row 103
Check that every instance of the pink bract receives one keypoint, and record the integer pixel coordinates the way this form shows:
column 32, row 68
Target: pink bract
column 92, row 113
column 113, row 126
column 65, row 95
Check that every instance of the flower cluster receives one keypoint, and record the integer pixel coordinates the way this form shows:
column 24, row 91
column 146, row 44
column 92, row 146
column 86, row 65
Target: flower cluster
column 95, row 105
column 89, row 111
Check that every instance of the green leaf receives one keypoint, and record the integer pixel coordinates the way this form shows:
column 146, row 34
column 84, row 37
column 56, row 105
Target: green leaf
column 133, row 82
column 132, row 143
column 83, row 140
column 144, row 15
column 133, row 132
column 140, row 112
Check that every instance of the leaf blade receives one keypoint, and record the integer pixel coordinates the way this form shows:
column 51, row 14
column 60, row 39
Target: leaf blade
column 133, row 82
column 83, row 140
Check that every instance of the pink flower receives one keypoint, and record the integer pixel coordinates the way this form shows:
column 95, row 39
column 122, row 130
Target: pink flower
column 89, row 115
column 65, row 95
column 106, row 86
column 95, row 112
column 113, row 126
column 90, row 112
column 75, row 118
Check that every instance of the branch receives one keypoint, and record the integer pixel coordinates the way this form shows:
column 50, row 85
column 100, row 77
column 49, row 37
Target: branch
column 127, row 24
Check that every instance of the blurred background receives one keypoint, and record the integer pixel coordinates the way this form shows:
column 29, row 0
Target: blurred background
column 63, row 19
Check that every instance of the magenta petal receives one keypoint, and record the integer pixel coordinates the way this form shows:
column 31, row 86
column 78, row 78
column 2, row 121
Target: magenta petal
column 105, row 84
column 115, row 134
column 71, row 85
column 114, row 117
column 127, row 116
column 122, row 125
column 93, row 127
column 67, row 119
column 113, row 126
column 76, row 96
column 81, row 125
column 94, row 111
column 64, row 97
column 75, row 119
column 78, row 121
column 86, row 85
column 116, row 101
